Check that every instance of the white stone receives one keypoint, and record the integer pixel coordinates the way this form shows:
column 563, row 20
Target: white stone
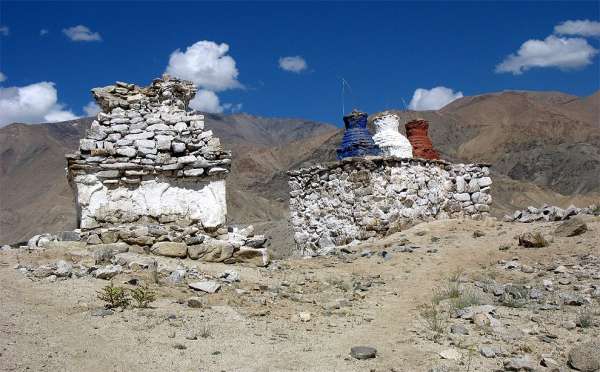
column 205, row 286
column 145, row 143
column 389, row 140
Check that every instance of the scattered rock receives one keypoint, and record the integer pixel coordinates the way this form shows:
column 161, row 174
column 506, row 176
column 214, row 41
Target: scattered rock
column 533, row 240
column 304, row 316
column 520, row 364
column 170, row 249
column 451, row 354
column 102, row 312
column 459, row 329
column 573, row 227
column 108, row 271
column 191, row 335
column 363, row 352
column 206, row 286
column 230, row 276
column 196, row 302
column 585, row 357
column 488, row 351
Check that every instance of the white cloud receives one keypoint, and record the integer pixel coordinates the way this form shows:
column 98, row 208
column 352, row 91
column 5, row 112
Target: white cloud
column 580, row 27
column 2, row 77
column 432, row 99
column 43, row 32
column 207, row 65
column 32, row 103
column 91, row 109
column 563, row 53
column 4, row 30
column 206, row 101
column 295, row 64
column 81, row 33
column 233, row 108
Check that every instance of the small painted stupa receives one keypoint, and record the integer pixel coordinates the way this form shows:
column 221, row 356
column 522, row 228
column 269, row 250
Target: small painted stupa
column 357, row 140
column 416, row 131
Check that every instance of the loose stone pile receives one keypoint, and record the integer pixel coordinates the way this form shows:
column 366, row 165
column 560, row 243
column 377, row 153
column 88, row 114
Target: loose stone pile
column 550, row 213
column 337, row 203
column 147, row 160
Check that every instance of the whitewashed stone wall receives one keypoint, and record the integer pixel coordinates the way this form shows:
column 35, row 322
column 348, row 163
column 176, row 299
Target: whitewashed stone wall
column 359, row 198
column 146, row 159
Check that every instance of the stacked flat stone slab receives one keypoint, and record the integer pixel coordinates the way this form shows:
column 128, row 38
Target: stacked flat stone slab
column 356, row 199
column 146, row 159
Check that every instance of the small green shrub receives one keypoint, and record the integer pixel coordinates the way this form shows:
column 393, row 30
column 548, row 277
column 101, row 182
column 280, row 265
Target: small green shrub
column 205, row 332
column 434, row 318
column 468, row 297
column 143, row 296
column 114, row 296
column 585, row 318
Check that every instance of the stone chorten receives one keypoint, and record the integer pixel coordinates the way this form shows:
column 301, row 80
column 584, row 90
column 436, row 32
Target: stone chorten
column 416, row 131
column 357, row 140
column 387, row 137
column 147, row 160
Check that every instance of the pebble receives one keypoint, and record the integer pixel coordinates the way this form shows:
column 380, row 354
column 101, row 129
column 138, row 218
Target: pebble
column 520, row 364
column 459, row 329
column 451, row 354
column 304, row 316
column 363, row 352
column 102, row 312
column 191, row 335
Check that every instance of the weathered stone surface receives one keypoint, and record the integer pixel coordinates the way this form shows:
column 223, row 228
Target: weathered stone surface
column 133, row 261
column 108, row 272
column 520, row 364
column 205, row 286
column 584, row 357
column 363, row 352
column 338, row 203
column 572, row 227
column 170, row 249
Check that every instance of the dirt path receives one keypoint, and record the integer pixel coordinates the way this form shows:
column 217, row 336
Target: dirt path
column 49, row 326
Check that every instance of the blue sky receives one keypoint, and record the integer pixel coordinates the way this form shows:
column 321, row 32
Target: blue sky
column 386, row 51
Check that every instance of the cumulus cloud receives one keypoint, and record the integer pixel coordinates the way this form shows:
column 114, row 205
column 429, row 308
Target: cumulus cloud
column 295, row 64
column 43, row 32
column 563, row 53
column 580, row 27
column 4, row 30
column 211, row 69
column 81, row 33
column 32, row 103
column 207, row 65
column 432, row 99
column 2, row 77
column 91, row 109
column 206, row 101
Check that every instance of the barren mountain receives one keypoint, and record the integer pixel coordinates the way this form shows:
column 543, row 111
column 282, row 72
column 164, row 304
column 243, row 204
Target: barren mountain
column 544, row 147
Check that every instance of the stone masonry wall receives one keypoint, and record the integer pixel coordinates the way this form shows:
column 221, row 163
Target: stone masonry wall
column 147, row 160
column 359, row 198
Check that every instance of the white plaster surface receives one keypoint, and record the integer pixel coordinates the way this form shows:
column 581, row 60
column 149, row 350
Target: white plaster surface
column 100, row 204
column 389, row 139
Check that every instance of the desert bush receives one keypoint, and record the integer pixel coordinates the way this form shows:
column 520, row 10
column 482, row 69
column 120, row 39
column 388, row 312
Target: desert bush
column 515, row 296
column 434, row 318
column 114, row 296
column 205, row 332
column 450, row 289
column 468, row 297
column 585, row 317
column 143, row 296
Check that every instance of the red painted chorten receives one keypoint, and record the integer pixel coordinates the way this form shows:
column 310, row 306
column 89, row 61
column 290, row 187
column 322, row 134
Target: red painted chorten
column 416, row 131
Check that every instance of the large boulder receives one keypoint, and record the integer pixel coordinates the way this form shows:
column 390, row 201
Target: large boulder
column 584, row 357
column 211, row 250
column 573, row 227
column 170, row 249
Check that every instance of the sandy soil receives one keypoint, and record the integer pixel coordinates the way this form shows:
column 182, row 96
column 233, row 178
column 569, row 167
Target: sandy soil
column 48, row 326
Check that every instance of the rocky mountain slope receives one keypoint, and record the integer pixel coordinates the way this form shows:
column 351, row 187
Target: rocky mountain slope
column 544, row 147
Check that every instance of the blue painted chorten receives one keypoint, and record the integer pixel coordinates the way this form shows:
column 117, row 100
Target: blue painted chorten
column 357, row 140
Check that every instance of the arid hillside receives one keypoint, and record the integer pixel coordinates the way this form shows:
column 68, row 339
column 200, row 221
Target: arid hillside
column 544, row 147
